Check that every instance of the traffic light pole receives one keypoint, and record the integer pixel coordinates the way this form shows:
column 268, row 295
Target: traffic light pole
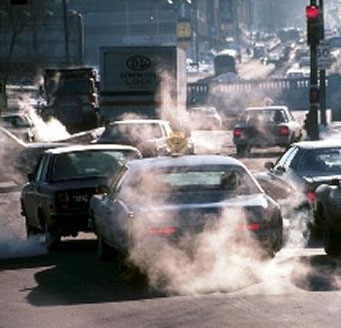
column 322, row 74
column 313, row 128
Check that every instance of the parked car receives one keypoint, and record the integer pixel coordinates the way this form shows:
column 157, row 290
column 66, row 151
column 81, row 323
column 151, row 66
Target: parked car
column 173, row 197
column 302, row 168
column 328, row 201
column 56, row 199
column 265, row 127
column 21, row 125
column 148, row 135
column 205, row 118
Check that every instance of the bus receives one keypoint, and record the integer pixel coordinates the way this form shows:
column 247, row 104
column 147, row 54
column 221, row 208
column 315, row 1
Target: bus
column 225, row 62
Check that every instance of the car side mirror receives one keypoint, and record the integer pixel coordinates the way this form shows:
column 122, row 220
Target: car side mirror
column 31, row 176
column 280, row 170
column 334, row 182
column 269, row 165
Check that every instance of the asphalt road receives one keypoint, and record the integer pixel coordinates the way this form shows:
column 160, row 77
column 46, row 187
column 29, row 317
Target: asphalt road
column 71, row 287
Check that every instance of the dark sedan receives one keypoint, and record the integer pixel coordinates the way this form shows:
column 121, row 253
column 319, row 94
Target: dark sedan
column 175, row 197
column 55, row 201
column 302, row 168
column 265, row 127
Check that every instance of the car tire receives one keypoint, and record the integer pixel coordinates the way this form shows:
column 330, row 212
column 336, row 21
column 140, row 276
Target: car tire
column 104, row 251
column 278, row 239
column 332, row 243
column 243, row 150
column 51, row 237
column 30, row 231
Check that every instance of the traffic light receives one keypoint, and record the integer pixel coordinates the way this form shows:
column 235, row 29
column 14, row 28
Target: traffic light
column 313, row 25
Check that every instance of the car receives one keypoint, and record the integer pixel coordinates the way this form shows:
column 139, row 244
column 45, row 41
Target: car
column 148, row 135
column 265, row 127
column 205, row 118
column 275, row 58
column 328, row 202
column 300, row 170
column 55, row 200
column 304, row 62
column 294, row 73
column 21, row 125
column 179, row 197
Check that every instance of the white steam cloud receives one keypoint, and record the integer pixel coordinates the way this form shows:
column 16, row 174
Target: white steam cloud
column 12, row 246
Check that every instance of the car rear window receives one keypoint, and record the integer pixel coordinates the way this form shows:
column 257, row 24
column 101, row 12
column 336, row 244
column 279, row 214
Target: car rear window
column 322, row 160
column 85, row 164
column 234, row 181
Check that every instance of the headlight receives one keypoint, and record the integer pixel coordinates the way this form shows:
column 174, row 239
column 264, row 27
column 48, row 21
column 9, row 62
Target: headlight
column 63, row 197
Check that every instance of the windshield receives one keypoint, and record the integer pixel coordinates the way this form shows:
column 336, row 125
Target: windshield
column 322, row 161
column 16, row 121
column 134, row 132
column 85, row 164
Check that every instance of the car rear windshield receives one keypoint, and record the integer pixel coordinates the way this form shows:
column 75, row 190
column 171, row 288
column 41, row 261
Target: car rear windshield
column 232, row 180
column 264, row 116
column 85, row 164
column 321, row 160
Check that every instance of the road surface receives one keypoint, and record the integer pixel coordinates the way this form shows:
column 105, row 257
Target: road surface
column 71, row 287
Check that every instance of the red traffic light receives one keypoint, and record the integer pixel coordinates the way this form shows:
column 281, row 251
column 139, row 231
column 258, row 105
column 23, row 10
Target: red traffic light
column 312, row 12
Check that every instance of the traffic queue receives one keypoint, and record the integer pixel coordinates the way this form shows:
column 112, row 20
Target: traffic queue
column 141, row 172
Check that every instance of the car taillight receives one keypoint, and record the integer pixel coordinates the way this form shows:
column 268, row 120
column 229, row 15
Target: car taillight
column 162, row 231
column 311, row 196
column 250, row 226
column 284, row 131
column 237, row 133
column 93, row 98
column 63, row 199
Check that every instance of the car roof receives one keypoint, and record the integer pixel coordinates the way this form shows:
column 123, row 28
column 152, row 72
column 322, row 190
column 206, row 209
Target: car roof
column 181, row 161
column 79, row 148
column 140, row 121
column 264, row 108
column 319, row 144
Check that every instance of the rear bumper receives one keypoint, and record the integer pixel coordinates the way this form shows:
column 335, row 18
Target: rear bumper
column 71, row 223
column 262, row 142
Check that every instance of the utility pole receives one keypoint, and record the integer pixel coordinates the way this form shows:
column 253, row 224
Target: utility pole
column 322, row 72
column 313, row 35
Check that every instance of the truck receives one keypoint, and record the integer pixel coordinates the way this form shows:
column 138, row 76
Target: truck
column 145, row 81
column 72, row 97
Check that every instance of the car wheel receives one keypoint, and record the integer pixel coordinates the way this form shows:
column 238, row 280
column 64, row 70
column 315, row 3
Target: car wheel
column 243, row 149
column 104, row 251
column 278, row 238
column 30, row 231
column 51, row 237
column 332, row 243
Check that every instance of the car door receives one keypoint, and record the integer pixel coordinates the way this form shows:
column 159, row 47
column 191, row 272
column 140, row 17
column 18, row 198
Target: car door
column 279, row 181
column 31, row 197
column 110, row 209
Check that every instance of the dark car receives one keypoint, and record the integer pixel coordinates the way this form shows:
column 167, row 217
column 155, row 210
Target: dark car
column 328, row 201
column 179, row 197
column 56, row 199
column 265, row 127
column 302, row 168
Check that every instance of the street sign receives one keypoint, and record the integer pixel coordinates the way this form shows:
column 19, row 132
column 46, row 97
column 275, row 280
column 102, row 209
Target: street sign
column 184, row 32
column 324, row 60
